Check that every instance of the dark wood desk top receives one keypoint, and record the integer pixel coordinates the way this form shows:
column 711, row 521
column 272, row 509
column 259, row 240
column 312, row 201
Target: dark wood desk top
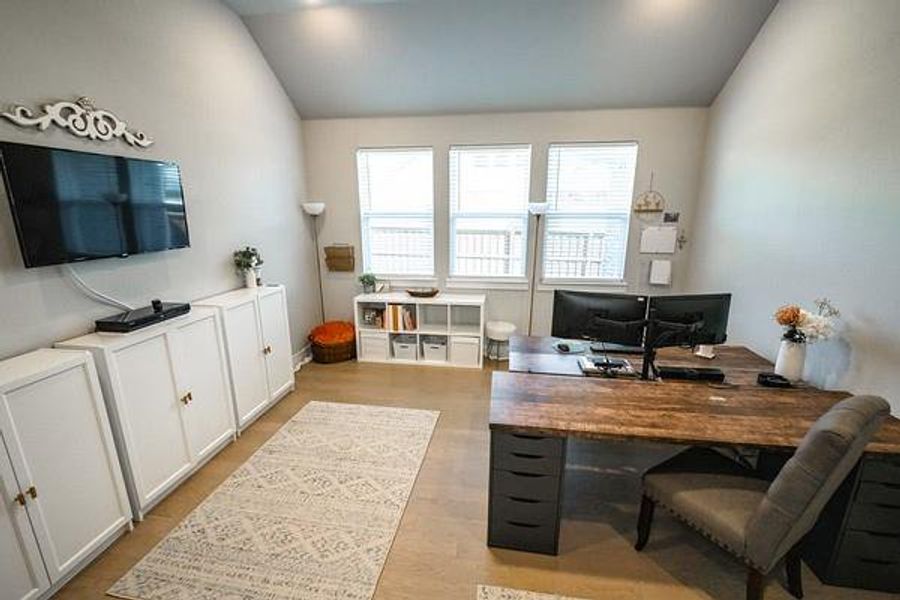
column 743, row 414
column 538, row 355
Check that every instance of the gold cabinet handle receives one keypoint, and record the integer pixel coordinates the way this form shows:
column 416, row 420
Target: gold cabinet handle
column 20, row 499
column 190, row 396
column 184, row 399
column 32, row 491
column 268, row 350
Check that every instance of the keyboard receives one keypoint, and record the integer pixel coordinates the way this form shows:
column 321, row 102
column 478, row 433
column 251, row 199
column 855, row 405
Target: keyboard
column 691, row 373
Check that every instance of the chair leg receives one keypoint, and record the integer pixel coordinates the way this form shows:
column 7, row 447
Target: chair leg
column 645, row 521
column 793, row 567
column 755, row 584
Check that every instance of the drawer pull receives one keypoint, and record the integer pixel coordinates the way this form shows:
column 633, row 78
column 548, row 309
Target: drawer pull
column 524, row 500
column 521, row 524
column 525, row 436
column 876, row 561
column 881, row 534
column 525, row 455
column 887, row 506
column 521, row 474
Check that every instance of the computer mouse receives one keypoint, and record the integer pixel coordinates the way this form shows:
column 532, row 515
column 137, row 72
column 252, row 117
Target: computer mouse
column 563, row 347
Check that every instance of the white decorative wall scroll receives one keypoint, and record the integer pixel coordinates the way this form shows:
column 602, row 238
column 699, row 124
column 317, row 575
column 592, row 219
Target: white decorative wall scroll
column 80, row 118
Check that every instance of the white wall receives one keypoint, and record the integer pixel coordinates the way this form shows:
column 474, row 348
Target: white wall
column 800, row 196
column 670, row 145
column 190, row 75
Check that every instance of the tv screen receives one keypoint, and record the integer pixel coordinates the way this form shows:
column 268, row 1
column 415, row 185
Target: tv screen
column 71, row 206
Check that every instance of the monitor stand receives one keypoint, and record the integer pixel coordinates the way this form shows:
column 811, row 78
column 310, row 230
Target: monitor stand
column 650, row 371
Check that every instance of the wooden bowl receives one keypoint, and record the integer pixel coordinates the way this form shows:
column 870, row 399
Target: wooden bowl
column 423, row 292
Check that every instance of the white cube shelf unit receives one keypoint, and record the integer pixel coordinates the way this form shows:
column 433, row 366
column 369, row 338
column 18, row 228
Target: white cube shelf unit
column 446, row 330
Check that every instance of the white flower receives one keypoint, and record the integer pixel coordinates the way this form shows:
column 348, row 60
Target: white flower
column 814, row 327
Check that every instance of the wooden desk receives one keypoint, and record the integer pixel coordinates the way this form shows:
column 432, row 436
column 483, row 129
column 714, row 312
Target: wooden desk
column 531, row 416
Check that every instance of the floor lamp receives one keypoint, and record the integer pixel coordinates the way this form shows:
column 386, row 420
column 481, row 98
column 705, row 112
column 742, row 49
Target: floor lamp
column 538, row 209
column 315, row 210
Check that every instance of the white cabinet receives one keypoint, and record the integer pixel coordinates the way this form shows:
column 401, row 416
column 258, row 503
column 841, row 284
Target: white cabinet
column 63, row 494
column 257, row 336
column 168, row 398
column 21, row 570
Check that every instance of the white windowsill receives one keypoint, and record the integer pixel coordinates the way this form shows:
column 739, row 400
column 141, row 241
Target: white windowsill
column 519, row 284
column 548, row 285
column 404, row 281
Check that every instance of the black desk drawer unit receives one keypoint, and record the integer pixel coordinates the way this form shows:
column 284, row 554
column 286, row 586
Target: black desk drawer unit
column 856, row 542
column 526, row 482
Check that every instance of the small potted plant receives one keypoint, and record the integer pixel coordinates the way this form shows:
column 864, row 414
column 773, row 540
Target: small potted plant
column 801, row 327
column 248, row 262
column 368, row 282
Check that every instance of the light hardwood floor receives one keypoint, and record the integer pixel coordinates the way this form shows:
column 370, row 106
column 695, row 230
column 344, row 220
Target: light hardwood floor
column 439, row 552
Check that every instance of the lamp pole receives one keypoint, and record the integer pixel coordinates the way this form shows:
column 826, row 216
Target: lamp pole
column 315, row 210
column 537, row 209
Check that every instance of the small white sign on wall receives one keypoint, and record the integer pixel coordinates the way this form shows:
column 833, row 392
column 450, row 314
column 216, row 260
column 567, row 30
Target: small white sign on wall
column 659, row 240
column 661, row 272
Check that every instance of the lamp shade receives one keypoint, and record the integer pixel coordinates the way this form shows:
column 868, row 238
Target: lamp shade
column 538, row 208
column 314, row 208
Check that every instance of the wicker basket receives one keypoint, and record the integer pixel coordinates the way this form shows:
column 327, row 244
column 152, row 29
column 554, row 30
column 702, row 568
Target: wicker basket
column 334, row 350
column 333, row 354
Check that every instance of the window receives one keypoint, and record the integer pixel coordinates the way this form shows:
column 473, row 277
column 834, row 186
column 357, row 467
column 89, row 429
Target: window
column 589, row 192
column 489, row 187
column 396, row 207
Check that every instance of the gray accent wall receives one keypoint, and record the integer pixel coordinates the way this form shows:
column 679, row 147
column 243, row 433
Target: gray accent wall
column 670, row 144
column 801, row 192
column 190, row 75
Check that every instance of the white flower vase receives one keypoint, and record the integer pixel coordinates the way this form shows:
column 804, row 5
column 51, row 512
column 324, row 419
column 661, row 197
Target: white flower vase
column 250, row 278
column 790, row 361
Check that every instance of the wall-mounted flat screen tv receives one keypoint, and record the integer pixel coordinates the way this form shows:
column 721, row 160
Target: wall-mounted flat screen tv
column 72, row 206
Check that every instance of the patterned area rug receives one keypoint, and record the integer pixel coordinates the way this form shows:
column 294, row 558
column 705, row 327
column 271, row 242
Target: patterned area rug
column 489, row 592
column 311, row 515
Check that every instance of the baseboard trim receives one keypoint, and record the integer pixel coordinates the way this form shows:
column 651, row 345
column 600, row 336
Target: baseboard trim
column 302, row 357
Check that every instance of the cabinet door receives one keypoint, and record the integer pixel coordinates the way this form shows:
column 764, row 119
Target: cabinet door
column 277, row 341
column 247, row 361
column 150, row 411
column 62, row 452
column 22, row 574
column 209, row 416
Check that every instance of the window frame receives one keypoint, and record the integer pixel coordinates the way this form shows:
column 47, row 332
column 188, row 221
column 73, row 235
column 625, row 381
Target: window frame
column 551, row 283
column 509, row 282
column 366, row 215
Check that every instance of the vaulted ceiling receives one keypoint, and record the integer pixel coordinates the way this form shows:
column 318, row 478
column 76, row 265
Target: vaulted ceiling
column 348, row 58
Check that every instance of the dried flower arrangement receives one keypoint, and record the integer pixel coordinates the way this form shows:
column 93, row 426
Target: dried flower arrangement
column 802, row 326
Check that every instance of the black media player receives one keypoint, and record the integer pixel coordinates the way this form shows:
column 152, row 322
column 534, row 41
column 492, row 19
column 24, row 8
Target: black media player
column 132, row 320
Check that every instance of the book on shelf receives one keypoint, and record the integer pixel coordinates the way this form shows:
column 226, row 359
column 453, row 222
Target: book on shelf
column 401, row 318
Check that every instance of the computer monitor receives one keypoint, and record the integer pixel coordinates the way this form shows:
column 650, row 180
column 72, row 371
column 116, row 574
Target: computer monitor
column 687, row 320
column 611, row 318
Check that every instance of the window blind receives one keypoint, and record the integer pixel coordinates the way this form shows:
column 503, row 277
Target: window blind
column 396, row 200
column 589, row 193
column 489, row 190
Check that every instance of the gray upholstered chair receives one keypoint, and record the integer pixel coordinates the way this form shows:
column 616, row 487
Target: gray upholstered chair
column 760, row 522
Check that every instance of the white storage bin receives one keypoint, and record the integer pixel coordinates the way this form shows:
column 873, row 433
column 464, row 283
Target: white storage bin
column 434, row 348
column 404, row 347
column 465, row 351
column 373, row 346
